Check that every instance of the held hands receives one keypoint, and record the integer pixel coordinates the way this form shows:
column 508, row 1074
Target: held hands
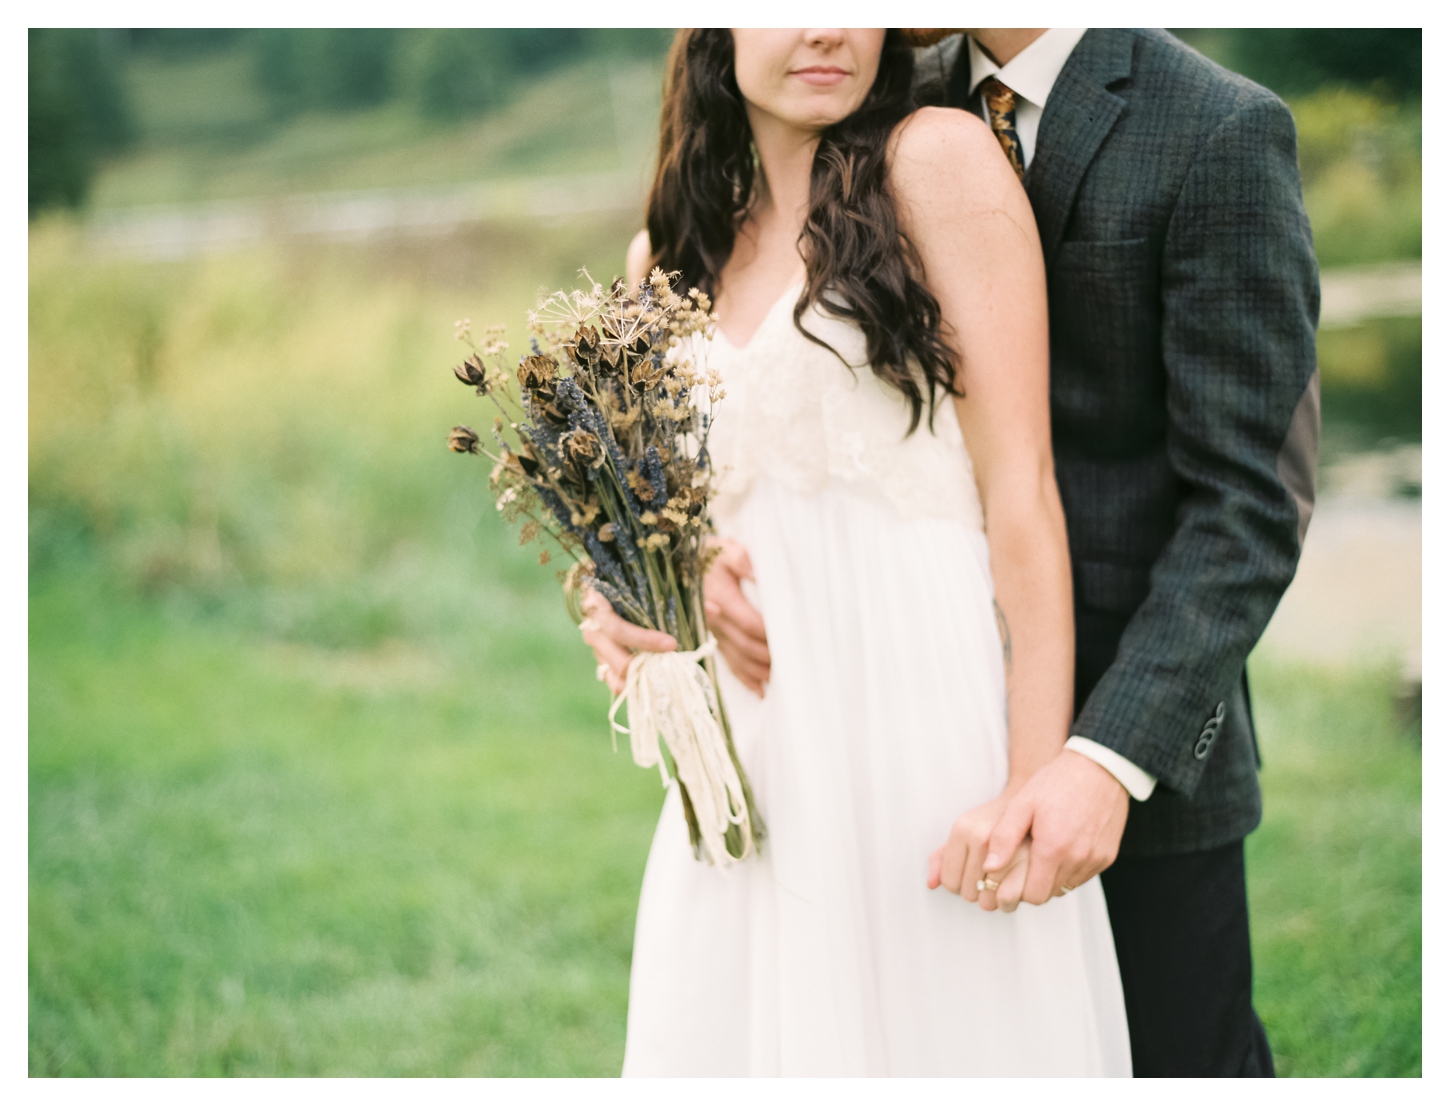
column 731, row 618
column 959, row 865
column 1056, row 832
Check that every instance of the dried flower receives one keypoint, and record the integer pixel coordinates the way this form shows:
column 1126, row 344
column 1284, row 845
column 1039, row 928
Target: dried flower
column 536, row 372
column 605, row 453
column 461, row 439
column 474, row 373
column 582, row 446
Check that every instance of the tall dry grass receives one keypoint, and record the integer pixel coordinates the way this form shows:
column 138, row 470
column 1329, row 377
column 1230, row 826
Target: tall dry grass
column 270, row 425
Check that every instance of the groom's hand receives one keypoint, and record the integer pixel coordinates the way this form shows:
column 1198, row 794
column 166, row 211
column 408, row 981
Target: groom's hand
column 733, row 619
column 1075, row 811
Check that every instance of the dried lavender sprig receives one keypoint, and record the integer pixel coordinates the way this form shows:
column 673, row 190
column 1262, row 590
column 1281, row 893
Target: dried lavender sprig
column 622, row 465
column 604, row 560
column 623, row 605
column 654, row 472
column 556, row 505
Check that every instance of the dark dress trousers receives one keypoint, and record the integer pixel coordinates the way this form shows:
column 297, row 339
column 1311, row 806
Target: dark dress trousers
column 1183, row 296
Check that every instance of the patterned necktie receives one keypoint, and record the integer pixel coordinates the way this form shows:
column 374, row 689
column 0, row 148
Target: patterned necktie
column 1001, row 104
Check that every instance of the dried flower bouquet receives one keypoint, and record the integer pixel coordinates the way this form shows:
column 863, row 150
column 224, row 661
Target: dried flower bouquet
column 604, row 451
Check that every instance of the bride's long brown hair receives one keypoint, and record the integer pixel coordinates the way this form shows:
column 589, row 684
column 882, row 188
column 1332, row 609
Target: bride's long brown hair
column 860, row 265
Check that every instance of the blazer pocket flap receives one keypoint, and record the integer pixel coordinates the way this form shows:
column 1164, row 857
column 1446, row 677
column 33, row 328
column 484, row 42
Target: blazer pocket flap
column 1107, row 256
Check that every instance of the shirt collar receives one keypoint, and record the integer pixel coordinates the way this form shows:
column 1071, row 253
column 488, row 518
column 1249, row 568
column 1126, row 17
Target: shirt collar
column 1033, row 72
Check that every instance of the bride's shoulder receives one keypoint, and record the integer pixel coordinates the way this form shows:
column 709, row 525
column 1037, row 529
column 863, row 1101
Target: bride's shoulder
column 939, row 152
column 636, row 259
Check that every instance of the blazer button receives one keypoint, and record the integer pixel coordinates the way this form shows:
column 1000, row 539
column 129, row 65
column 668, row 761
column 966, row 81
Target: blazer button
column 1208, row 733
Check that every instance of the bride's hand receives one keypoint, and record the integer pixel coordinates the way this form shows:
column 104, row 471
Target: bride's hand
column 958, row 864
column 733, row 619
column 615, row 641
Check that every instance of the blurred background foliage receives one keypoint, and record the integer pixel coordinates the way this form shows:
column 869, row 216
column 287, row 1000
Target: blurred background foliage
column 319, row 776
column 194, row 94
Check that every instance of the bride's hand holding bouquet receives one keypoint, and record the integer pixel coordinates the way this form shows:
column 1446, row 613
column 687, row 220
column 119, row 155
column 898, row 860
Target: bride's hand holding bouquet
column 603, row 450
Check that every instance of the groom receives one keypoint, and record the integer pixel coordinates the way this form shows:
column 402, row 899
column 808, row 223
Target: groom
column 1183, row 296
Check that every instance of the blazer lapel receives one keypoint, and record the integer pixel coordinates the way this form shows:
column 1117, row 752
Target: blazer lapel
column 1076, row 119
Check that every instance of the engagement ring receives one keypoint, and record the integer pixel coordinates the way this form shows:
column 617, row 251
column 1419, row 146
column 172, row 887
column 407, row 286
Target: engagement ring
column 987, row 885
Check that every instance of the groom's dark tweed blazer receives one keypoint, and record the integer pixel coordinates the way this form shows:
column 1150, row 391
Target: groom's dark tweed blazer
column 1183, row 296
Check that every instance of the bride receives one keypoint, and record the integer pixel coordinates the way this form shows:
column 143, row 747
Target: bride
column 887, row 495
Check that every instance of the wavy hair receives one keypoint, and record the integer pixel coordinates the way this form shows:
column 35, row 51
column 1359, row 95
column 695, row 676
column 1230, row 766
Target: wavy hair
column 860, row 265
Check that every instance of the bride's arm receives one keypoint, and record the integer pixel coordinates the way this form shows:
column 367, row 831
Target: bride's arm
column 972, row 225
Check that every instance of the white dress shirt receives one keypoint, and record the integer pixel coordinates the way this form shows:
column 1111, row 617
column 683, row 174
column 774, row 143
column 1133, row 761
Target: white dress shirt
column 1031, row 75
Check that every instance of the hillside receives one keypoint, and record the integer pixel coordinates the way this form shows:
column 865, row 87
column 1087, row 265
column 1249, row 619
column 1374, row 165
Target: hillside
column 205, row 135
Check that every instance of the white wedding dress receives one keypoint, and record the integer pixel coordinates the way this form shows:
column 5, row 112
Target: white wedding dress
column 883, row 721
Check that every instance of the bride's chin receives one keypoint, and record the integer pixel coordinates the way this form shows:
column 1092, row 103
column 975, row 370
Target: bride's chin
column 819, row 121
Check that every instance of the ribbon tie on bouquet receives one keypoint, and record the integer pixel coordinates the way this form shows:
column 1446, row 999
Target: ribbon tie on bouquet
column 672, row 696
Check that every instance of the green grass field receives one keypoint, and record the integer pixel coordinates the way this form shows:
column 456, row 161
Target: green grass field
column 251, row 858
column 319, row 777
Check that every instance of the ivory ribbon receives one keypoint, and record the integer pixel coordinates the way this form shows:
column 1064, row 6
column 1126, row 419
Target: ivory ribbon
column 671, row 695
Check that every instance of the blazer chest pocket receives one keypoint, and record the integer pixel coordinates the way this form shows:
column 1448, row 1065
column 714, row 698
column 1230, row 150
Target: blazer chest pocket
column 1121, row 263
column 1110, row 587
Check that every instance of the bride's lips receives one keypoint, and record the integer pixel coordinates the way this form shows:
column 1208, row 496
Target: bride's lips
column 821, row 74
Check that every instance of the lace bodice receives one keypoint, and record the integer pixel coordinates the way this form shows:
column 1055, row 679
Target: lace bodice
column 794, row 413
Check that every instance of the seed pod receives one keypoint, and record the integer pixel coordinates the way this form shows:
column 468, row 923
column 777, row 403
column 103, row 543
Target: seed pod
column 586, row 345
column 473, row 373
column 536, row 372
column 520, row 463
column 461, row 439
column 582, row 446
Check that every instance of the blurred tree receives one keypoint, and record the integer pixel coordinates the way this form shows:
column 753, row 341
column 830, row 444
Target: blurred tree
column 451, row 74
column 303, row 68
column 537, row 49
column 1293, row 61
column 638, row 42
column 447, row 73
column 181, row 42
column 353, row 67
column 279, row 68
column 78, row 110
column 1299, row 60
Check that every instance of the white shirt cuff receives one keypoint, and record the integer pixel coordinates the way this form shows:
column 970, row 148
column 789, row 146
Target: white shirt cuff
column 1138, row 782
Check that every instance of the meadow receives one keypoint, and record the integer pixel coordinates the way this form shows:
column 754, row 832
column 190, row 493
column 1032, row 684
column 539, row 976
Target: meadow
column 319, row 776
